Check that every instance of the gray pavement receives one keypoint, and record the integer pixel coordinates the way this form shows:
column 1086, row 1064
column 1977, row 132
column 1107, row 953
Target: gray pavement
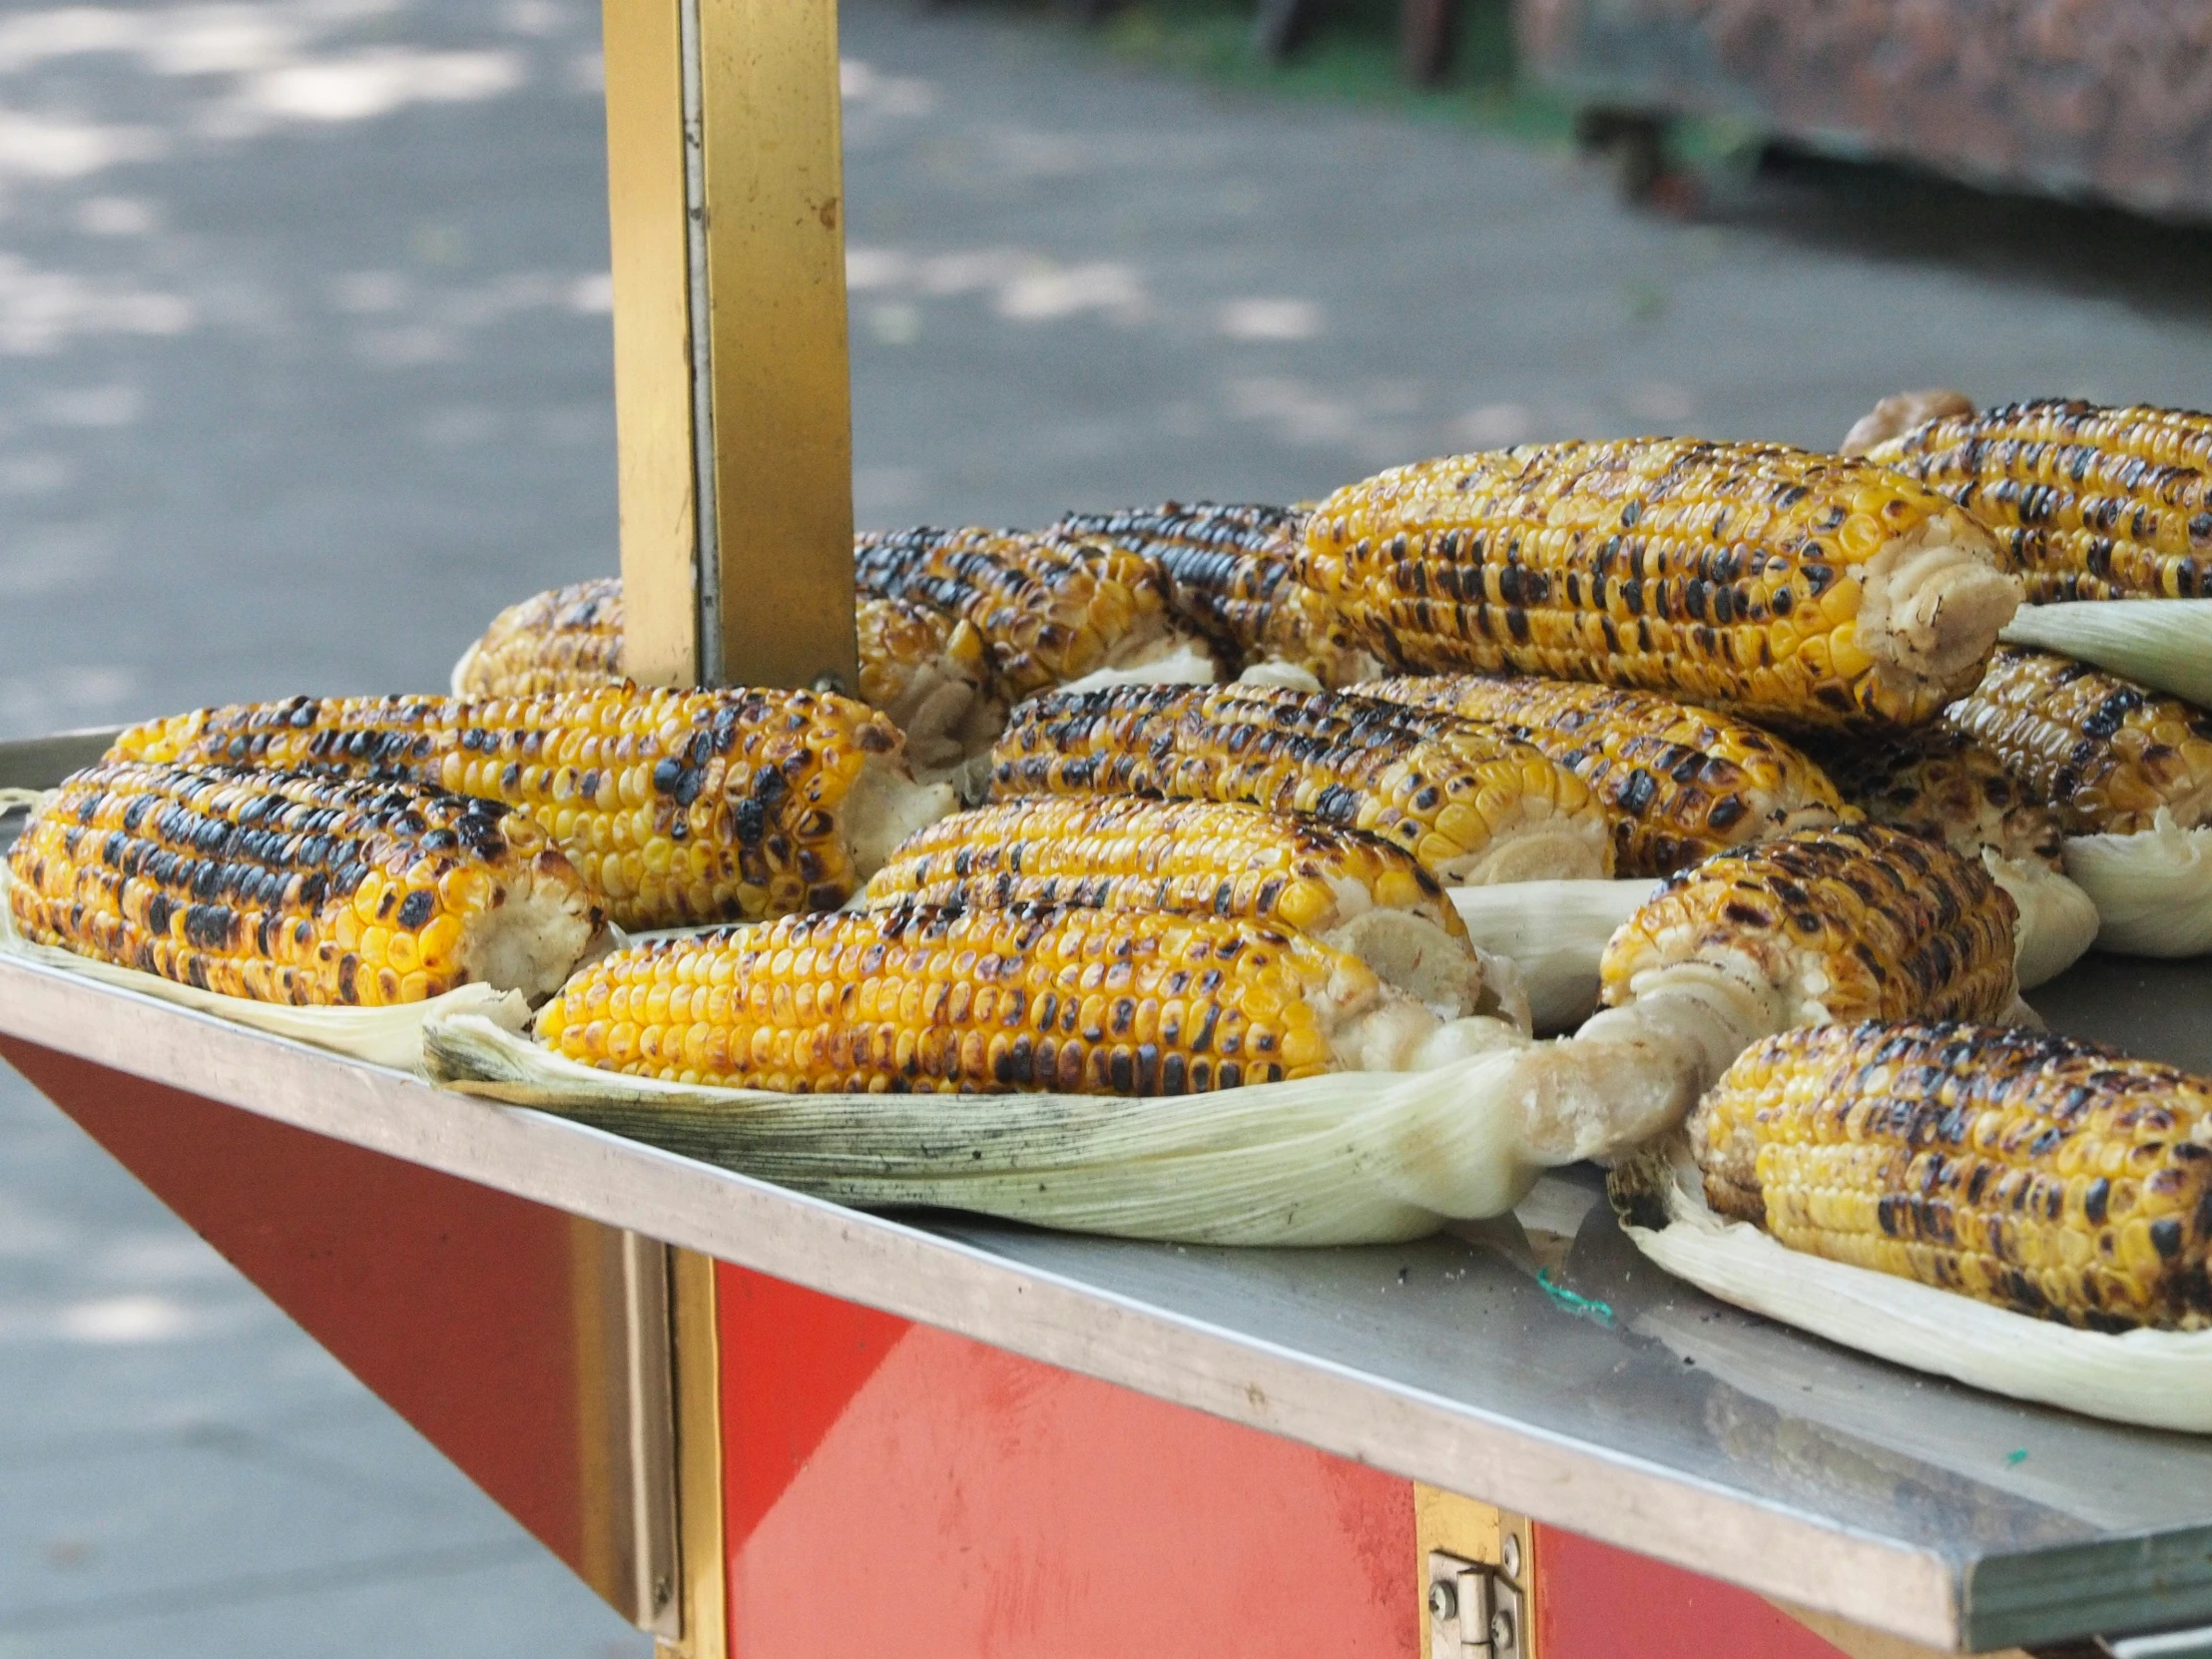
column 304, row 372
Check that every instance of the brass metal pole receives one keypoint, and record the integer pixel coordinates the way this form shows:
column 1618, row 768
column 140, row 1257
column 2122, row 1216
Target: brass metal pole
column 731, row 386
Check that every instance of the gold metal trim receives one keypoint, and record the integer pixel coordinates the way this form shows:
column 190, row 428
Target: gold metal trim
column 648, row 215
column 1482, row 1533
column 779, row 611
column 698, row 1458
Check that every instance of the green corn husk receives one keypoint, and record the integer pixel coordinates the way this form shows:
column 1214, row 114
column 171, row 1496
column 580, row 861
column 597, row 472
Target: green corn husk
column 379, row 1036
column 1349, row 1158
column 2158, row 1379
column 2165, row 644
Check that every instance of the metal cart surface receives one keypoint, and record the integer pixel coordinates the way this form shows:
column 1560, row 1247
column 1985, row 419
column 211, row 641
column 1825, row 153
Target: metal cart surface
column 764, row 1426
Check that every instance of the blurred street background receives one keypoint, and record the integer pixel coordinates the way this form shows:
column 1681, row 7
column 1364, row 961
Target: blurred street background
column 305, row 372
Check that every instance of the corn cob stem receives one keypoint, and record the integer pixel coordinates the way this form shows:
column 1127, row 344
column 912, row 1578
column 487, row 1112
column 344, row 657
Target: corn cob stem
column 1794, row 587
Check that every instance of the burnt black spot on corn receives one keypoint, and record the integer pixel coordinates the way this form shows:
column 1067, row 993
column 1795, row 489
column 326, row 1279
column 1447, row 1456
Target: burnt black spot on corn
column 1857, row 596
column 296, row 889
column 1678, row 782
column 707, row 805
column 2106, row 753
column 1858, row 921
column 1470, row 802
column 2088, row 502
column 2036, row 1172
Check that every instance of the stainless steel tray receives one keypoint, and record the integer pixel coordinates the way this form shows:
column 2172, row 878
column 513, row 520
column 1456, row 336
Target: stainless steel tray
column 1676, row 1426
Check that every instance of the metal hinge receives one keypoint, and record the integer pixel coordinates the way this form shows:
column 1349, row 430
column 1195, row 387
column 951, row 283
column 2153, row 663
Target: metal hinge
column 1475, row 1612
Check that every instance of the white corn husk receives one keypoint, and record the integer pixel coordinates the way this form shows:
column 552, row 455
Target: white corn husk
column 1349, row 1158
column 2058, row 920
column 2152, row 889
column 2165, row 644
column 1555, row 934
column 2158, row 1379
column 381, row 1036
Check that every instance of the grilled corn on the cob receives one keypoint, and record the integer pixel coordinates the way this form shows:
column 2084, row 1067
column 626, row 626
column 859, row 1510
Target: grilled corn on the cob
column 1678, row 782
column 301, row 889
column 1898, row 413
column 931, row 675
column 2088, row 502
column 676, row 808
column 911, row 998
column 2042, row 1174
column 1794, row 587
column 1472, row 804
column 2106, row 753
column 1049, row 608
column 1858, row 921
column 1940, row 782
column 1348, row 889
column 1232, row 574
column 567, row 639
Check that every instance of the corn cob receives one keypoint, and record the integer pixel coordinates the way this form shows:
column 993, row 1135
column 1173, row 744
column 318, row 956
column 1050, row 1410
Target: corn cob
column 1049, row 608
column 567, row 639
column 2106, row 753
column 1349, row 891
column 1232, row 575
column 1939, row 783
column 676, row 808
column 2042, row 1174
column 931, row 674
column 2088, row 502
column 1901, row 412
column 1794, row 587
column 928, row 1000
column 293, row 888
column 1858, row 921
column 1677, row 782
column 1469, row 802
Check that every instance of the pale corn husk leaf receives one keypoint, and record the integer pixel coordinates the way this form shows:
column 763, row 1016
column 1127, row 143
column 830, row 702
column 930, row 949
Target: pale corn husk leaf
column 1352, row 1158
column 381, row 1036
column 2158, row 1379
column 2058, row 920
column 2152, row 889
column 2165, row 644
column 1555, row 934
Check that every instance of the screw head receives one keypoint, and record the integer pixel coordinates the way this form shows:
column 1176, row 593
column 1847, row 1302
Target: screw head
column 1501, row 1630
column 1512, row 1554
column 1444, row 1600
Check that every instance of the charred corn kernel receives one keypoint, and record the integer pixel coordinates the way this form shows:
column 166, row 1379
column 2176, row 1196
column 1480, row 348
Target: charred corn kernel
column 1468, row 802
column 1678, row 782
column 1232, row 574
column 1187, row 858
column 760, row 784
column 902, row 642
column 2088, row 502
column 293, row 888
column 1047, row 608
column 2045, row 1175
column 569, row 639
column 946, row 1000
column 1860, row 921
column 2106, row 752
column 1939, row 783
column 1796, row 588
